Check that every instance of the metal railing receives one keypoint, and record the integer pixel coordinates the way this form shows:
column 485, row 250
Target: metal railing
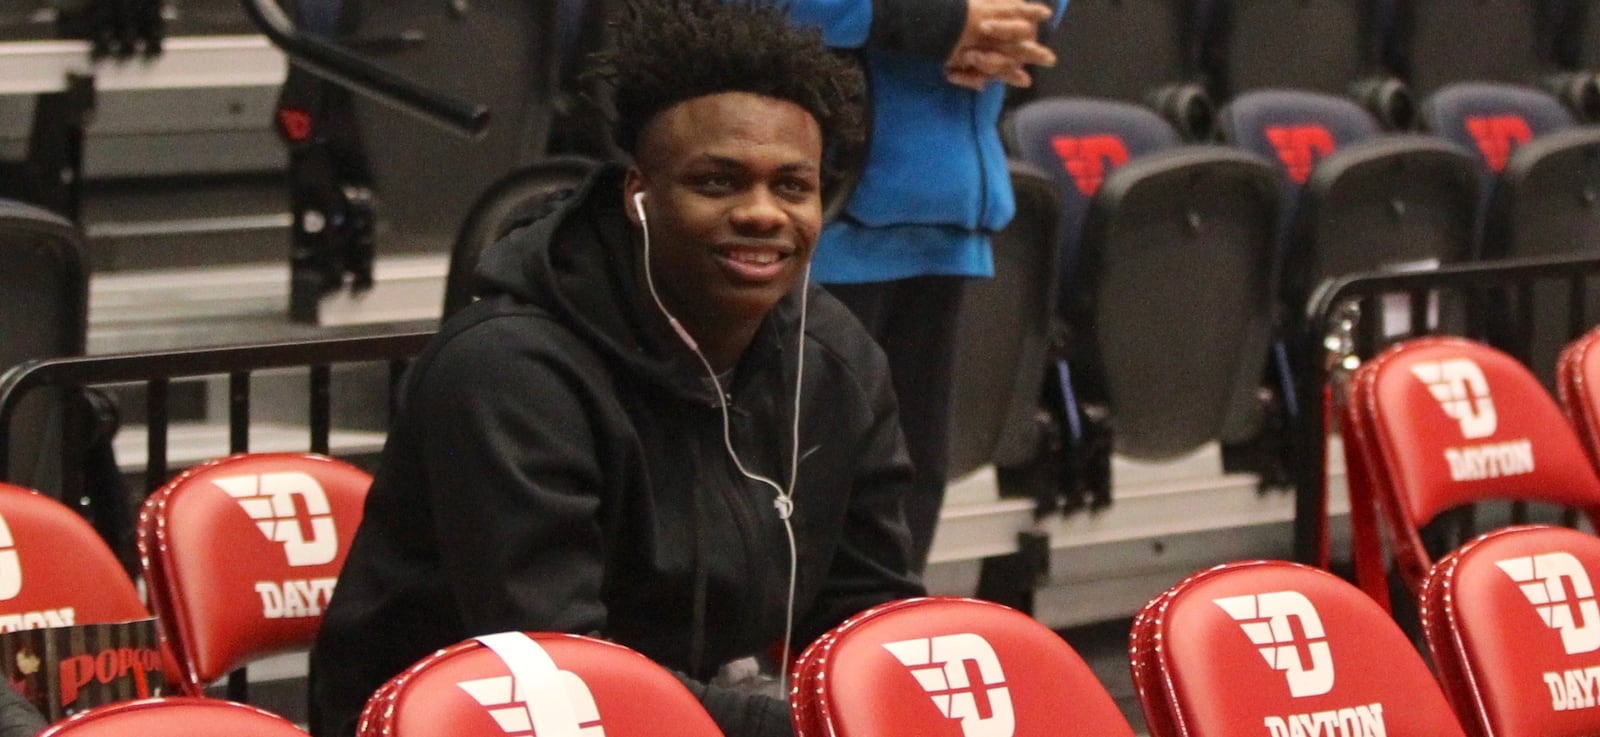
column 353, row 71
column 157, row 370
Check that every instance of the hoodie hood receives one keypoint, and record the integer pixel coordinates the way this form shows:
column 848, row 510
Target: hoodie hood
column 581, row 261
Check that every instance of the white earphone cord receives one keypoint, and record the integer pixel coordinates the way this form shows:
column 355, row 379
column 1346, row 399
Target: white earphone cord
column 784, row 502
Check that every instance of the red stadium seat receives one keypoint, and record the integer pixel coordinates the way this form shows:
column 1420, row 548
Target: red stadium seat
column 535, row 683
column 1437, row 424
column 804, row 673
column 55, row 570
column 174, row 716
column 1280, row 649
column 1514, row 628
column 1578, row 385
column 948, row 667
column 241, row 555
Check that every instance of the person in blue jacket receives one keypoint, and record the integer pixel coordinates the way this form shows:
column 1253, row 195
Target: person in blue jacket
column 933, row 188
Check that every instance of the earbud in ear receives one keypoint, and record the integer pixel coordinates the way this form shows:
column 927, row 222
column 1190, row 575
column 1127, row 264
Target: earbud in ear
column 638, row 205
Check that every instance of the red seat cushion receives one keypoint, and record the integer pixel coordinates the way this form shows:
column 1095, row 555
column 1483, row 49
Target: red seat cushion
column 538, row 683
column 957, row 668
column 1513, row 620
column 55, row 570
column 176, row 716
column 1279, row 648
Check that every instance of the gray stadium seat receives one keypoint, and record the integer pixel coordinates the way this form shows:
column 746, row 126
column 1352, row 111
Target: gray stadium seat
column 1003, row 335
column 44, row 302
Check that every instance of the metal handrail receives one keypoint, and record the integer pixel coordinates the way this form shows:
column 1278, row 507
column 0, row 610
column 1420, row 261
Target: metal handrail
column 1313, row 369
column 341, row 66
column 157, row 369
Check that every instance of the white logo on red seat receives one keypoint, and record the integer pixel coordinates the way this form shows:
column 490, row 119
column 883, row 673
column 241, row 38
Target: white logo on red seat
column 538, row 699
column 507, row 704
column 962, row 674
column 10, row 564
column 1290, row 637
column 1463, row 392
column 290, row 508
column 1559, row 589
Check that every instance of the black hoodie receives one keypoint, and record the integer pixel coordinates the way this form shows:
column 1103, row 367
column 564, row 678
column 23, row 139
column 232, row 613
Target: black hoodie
column 555, row 468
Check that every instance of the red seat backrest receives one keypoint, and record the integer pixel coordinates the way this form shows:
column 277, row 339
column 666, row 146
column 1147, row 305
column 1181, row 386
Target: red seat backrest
column 241, row 555
column 1438, row 423
column 951, row 667
column 805, row 678
column 1513, row 623
column 174, row 716
column 1578, row 387
column 55, row 570
column 535, row 684
column 1276, row 648
column 1146, row 669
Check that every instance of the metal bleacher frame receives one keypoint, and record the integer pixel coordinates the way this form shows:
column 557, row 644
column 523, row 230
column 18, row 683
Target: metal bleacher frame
column 1337, row 338
column 157, row 370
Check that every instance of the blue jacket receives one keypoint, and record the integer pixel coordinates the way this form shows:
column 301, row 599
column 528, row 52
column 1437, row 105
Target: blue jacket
column 935, row 183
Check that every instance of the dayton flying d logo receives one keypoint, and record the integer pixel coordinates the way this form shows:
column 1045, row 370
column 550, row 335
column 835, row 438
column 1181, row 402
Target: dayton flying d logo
column 1088, row 158
column 962, row 674
column 1300, row 147
column 1289, row 635
column 10, row 565
column 1559, row 589
column 290, row 508
column 537, row 699
column 1463, row 392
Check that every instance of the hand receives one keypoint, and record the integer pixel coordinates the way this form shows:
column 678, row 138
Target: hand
column 1000, row 39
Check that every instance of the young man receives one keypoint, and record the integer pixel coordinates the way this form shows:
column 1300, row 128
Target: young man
column 651, row 428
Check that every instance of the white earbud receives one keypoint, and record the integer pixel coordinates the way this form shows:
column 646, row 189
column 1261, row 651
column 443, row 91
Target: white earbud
column 783, row 502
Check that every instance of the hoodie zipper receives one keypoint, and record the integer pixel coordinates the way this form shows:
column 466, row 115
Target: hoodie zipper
column 730, row 485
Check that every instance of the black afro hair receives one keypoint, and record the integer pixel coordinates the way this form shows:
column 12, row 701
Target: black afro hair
column 664, row 52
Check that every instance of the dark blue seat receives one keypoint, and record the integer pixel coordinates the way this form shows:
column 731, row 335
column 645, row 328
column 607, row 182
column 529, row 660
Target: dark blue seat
column 1297, row 128
column 1493, row 119
column 1543, row 170
column 1356, row 199
column 1166, row 273
column 1078, row 141
column 1362, row 200
column 1173, row 292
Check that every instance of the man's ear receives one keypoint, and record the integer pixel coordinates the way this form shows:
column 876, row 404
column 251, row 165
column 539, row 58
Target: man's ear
column 633, row 184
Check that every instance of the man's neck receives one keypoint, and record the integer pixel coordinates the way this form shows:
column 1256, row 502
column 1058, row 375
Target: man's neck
column 723, row 344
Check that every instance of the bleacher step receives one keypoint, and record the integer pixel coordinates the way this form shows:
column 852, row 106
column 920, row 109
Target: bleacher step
column 190, row 443
column 217, row 305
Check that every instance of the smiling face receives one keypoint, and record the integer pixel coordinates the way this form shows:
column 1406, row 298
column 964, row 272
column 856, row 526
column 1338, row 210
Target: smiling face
column 732, row 186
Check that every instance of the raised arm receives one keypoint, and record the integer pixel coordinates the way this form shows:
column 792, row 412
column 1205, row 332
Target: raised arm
column 978, row 40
